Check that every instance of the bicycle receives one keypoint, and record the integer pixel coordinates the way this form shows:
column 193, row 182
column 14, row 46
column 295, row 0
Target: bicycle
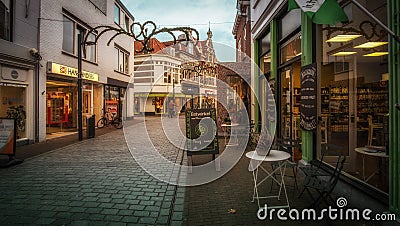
column 104, row 121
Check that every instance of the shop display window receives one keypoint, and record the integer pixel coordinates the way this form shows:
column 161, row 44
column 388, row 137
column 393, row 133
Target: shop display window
column 13, row 105
column 354, row 93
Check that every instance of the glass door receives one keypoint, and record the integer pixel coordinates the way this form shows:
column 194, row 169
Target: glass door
column 290, row 101
column 337, row 119
column 290, row 105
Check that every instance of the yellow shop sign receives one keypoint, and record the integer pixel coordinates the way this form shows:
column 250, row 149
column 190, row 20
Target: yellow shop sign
column 72, row 72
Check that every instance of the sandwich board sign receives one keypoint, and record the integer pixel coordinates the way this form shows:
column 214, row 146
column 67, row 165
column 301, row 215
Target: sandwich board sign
column 201, row 131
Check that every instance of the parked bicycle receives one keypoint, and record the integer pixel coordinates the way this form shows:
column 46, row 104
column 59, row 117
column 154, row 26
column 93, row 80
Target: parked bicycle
column 108, row 119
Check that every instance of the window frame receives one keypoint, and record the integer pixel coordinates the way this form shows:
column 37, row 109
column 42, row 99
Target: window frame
column 116, row 6
column 11, row 22
column 80, row 26
column 125, row 60
column 126, row 23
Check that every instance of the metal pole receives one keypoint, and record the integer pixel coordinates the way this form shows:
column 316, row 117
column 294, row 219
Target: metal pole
column 80, row 126
column 397, row 38
column 173, row 89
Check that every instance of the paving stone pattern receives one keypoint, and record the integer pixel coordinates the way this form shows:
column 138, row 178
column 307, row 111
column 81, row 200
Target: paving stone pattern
column 92, row 182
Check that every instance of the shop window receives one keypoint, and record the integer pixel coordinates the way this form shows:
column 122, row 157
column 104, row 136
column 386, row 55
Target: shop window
column 265, row 63
column 290, row 49
column 13, row 105
column 290, row 22
column 265, row 43
column 121, row 60
column 354, row 93
column 5, row 19
column 117, row 14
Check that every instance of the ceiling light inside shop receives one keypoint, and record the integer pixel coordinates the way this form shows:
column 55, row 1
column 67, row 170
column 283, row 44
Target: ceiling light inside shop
column 371, row 45
column 376, row 54
column 343, row 38
column 343, row 53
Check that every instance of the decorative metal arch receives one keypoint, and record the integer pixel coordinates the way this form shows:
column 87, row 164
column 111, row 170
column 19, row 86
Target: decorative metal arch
column 142, row 36
column 201, row 69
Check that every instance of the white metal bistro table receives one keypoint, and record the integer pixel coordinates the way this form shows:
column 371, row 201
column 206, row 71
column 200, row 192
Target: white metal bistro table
column 233, row 133
column 370, row 152
column 274, row 156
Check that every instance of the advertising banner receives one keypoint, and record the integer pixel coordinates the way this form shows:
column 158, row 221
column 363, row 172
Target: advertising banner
column 7, row 136
column 308, row 99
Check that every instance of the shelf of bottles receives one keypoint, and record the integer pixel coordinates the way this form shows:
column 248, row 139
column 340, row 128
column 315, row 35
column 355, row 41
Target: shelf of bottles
column 371, row 101
column 335, row 104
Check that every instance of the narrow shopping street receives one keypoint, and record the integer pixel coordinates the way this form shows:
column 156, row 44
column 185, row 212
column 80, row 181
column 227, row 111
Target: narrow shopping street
column 97, row 181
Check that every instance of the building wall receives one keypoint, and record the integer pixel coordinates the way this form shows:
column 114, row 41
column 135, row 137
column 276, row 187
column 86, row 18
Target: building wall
column 262, row 13
column 51, row 39
column 16, row 55
column 243, row 36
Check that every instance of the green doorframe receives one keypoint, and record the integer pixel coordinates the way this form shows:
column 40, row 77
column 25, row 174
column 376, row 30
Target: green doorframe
column 274, row 50
column 256, row 87
column 394, row 114
column 306, row 58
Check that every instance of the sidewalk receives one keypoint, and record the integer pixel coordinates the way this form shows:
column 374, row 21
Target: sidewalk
column 28, row 151
column 209, row 204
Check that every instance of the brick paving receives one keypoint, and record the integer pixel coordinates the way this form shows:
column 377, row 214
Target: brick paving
column 92, row 182
column 209, row 204
column 97, row 182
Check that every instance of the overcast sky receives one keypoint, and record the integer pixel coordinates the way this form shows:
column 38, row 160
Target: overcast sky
column 196, row 14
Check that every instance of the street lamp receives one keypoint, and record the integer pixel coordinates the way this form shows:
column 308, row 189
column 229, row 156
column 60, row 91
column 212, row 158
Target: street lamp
column 142, row 36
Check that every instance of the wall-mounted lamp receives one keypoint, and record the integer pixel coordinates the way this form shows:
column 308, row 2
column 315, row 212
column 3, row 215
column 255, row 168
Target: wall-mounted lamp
column 35, row 54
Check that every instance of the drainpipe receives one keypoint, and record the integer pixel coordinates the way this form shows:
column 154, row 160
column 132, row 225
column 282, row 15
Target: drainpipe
column 37, row 78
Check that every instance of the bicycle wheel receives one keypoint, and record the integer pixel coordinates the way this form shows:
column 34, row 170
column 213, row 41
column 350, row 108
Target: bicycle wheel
column 117, row 123
column 101, row 123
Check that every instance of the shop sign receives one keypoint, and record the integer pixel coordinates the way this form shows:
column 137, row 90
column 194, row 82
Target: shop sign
column 308, row 98
column 72, row 72
column 13, row 74
column 189, row 88
column 201, row 131
column 150, row 95
column 7, row 136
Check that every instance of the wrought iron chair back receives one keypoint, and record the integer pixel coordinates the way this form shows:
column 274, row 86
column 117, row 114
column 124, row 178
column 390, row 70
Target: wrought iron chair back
column 315, row 177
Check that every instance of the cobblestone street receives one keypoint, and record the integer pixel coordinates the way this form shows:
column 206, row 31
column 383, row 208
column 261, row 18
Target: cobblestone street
column 95, row 181
column 98, row 182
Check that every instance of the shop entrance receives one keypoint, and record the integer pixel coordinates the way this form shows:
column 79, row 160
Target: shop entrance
column 87, row 107
column 290, row 104
column 290, row 101
column 61, row 108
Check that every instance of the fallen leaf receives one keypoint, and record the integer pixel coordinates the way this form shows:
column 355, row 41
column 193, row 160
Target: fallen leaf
column 233, row 211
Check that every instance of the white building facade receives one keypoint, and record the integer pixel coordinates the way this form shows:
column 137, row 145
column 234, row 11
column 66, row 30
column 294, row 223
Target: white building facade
column 106, row 69
column 18, row 65
column 158, row 76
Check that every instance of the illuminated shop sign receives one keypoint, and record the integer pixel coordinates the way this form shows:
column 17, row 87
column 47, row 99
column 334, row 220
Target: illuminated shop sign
column 72, row 72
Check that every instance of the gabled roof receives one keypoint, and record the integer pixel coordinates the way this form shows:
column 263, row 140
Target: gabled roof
column 159, row 47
